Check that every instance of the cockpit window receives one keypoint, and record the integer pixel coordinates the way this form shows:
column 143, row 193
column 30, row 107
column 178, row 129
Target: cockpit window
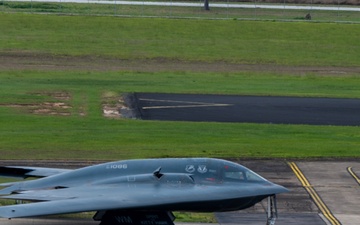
column 240, row 174
column 235, row 175
column 251, row 176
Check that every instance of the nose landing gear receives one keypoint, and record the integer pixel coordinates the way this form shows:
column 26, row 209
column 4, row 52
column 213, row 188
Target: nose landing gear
column 271, row 210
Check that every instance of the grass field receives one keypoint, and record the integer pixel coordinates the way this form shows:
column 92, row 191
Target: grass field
column 182, row 12
column 251, row 42
column 83, row 133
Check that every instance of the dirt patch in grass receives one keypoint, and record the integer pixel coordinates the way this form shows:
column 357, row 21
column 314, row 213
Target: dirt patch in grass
column 45, row 108
column 118, row 106
column 32, row 61
column 114, row 105
column 111, row 104
column 58, row 105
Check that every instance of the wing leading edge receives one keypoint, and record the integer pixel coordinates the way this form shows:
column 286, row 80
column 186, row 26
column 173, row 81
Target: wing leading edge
column 119, row 197
column 25, row 172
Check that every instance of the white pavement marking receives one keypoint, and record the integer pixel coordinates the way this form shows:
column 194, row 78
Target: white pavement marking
column 200, row 4
column 188, row 104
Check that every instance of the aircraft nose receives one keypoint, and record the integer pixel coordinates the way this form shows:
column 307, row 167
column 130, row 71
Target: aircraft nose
column 277, row 189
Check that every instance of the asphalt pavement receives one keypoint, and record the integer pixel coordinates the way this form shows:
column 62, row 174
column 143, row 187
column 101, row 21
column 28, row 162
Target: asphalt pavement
column 249, row 109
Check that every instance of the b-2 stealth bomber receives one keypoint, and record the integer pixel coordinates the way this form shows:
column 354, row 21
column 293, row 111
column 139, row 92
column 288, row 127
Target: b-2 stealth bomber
column 137, row 192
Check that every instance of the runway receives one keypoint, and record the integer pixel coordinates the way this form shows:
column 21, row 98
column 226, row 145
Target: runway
column 248, row 109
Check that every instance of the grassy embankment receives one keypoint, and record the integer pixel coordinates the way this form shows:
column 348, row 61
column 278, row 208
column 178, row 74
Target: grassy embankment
column 26, row 136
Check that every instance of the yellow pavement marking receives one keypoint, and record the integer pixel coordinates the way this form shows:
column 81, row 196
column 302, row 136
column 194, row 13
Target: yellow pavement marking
column 352, row 173
column 318, row 201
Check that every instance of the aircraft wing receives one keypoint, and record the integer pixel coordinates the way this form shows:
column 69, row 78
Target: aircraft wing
column 25, row 172
column 83, row 199
column 107, row 197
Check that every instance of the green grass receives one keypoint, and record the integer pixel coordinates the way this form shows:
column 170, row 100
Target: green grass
column 251, row 42
column 46, row 138
column 29, row 136
column 16, row 86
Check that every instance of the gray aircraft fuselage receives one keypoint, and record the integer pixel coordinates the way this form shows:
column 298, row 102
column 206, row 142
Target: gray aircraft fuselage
column 181, row 184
